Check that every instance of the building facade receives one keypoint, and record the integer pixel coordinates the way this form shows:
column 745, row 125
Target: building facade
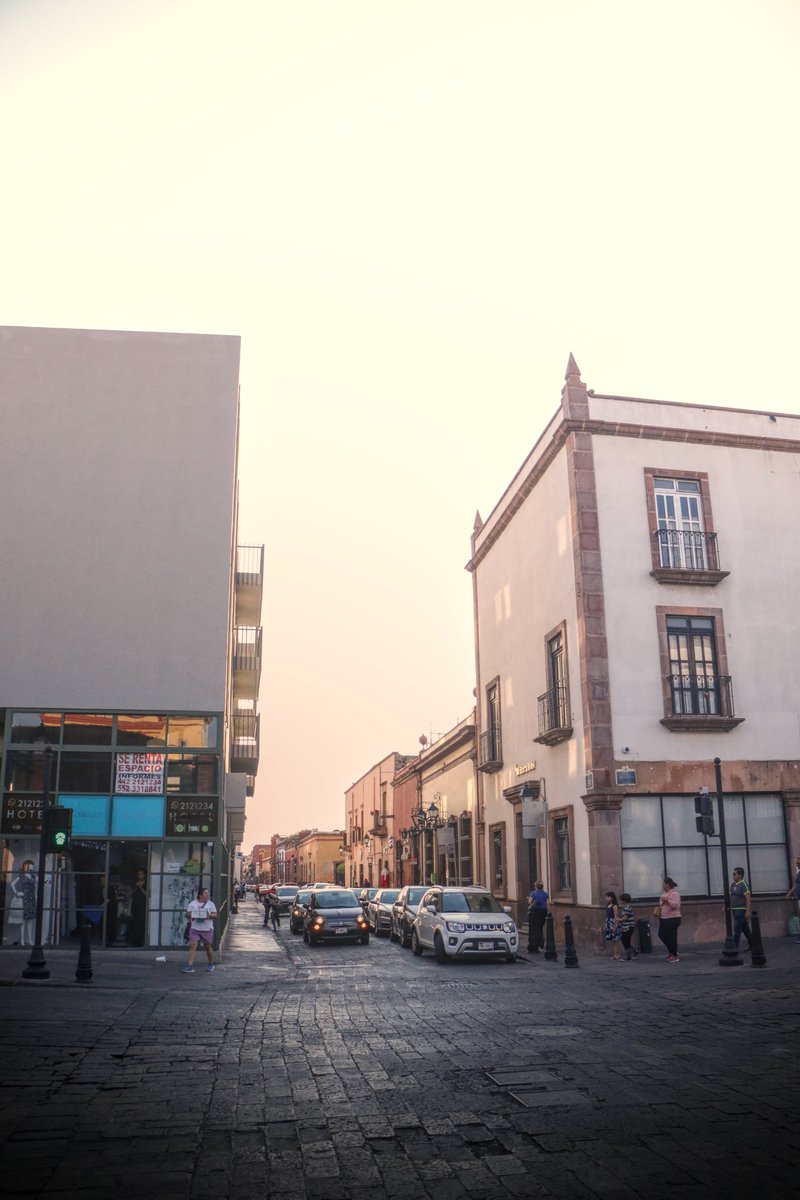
column 130, row 657
column 635, row 617
column 369, row 850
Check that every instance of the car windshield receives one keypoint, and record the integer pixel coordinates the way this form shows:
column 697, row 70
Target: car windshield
column 336, row 899
column 387, row 897
column 415, row 895
column 287, row 891
column 302, row 897
column 471, row 902
column 369, row 893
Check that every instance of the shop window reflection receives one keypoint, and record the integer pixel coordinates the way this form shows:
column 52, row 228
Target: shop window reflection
column 141, row 730
column 199, row 733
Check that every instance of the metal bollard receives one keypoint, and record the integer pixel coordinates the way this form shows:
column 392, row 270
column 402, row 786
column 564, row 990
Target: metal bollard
column 757, row 958
column 570, row 954
column 84, row 972
column 549, row 940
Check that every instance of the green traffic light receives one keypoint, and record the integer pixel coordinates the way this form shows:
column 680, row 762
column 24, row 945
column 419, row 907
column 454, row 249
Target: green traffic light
column 60, row 839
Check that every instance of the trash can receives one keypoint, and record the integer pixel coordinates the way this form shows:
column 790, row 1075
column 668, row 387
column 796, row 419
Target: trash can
column 645, row 940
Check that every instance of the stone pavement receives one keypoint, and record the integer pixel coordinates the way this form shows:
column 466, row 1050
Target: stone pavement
column 363, row 1073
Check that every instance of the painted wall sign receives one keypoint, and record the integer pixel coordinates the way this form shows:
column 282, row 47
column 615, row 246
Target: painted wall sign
column 523, row 768
column 22, row 813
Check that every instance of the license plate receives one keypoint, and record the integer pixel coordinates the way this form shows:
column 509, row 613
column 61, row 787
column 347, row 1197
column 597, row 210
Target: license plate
column 486, row 945
column 340, row 929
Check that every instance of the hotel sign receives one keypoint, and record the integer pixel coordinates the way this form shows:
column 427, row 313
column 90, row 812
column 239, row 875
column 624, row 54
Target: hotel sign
column 191, row 816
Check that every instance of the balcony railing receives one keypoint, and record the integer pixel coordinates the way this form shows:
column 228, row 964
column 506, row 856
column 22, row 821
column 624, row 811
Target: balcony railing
column 249, row 565
column 247, row 648
column 687, row 550
column 490, row 751
column 554, row 715
column 245, row 742
column 701, row 695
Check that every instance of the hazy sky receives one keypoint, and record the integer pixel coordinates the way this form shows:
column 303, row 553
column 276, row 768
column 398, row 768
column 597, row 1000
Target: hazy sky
column 411, row 212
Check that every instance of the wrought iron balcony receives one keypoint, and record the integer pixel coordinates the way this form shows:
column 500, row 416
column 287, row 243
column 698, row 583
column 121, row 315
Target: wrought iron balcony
column 490, row 751
column 687, row 556
column 554, row 716
column 245, row 743
column 701, row 702
column 248, row 584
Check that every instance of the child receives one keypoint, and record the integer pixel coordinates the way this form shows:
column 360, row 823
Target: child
column 611, row 931
column 626, row 926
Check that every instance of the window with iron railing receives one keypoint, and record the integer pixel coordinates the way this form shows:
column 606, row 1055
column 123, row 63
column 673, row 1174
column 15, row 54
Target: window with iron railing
column 687, row 550
column 490, row 756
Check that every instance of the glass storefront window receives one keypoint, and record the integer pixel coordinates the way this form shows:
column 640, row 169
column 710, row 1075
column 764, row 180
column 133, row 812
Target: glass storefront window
column 85, row 773
column 197, row 733
column 87, row 729
column 36, row 727
column 25, row 771
column 141, row 731
column 182, row 867
column 196, row 773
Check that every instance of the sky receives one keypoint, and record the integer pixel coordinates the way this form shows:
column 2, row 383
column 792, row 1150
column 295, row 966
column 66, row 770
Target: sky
column 411, row 211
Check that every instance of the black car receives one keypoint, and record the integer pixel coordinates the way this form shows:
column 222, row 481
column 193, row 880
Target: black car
column 286, row 895
column 298, row 910
column 404, row 910
column 334, row 915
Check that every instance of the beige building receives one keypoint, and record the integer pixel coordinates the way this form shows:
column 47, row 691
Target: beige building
column 320, row 857
column 635, row 600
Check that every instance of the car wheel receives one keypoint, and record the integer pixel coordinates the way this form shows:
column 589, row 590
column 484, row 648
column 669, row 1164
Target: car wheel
column 438, row 948
column 305, row 936
column 416, row 947
column 312, row 941
column 511, row 958
column 364, row 939
column 392, row 933
column 405, row 936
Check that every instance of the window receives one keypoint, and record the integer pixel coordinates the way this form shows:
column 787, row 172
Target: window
column 465, row 848
column 490, row 749
column 698, row 691
column 659, row 838
column 561, row 846
column 554, row 712
column 498, row 858
column 684, row 544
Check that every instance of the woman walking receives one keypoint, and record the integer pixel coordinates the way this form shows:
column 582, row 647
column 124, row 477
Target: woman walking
column 668, row 911
column 612, row 931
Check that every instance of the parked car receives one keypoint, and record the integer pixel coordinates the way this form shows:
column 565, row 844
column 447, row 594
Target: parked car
column 298, row 910
column 334, row 914
column 364, row 897
column 463, row 922
column 286, row 895
column 379, row 910
column 404, row 910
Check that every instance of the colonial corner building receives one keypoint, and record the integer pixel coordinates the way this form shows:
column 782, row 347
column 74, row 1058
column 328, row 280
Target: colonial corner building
column 131, row 643
column 636, row 616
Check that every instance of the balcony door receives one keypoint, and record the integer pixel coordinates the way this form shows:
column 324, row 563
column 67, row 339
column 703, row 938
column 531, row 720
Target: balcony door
column 693, row 666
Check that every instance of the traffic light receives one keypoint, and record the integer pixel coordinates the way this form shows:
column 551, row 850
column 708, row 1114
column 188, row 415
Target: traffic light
column 58, row 829
column 703, row 806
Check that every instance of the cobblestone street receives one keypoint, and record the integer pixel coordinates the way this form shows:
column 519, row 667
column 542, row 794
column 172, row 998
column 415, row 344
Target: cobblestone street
column 364, row 1073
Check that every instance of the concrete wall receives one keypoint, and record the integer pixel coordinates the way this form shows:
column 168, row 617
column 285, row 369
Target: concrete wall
column 117, row 459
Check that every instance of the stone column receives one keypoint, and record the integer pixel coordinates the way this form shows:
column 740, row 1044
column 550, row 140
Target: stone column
column 605, row 843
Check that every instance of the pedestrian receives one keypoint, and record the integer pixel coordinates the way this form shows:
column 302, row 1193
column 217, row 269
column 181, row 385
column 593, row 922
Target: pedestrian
column 740, row 908
column 668, row 911
column 794, row 891
column 627, row 924
column 274, row 910
column 611, row 931
column 538, row 908
column 201, row 914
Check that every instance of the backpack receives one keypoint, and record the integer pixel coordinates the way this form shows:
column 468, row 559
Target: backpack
column 794, row 926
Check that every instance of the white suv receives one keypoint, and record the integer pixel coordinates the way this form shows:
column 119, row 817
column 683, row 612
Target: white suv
column 463, row 922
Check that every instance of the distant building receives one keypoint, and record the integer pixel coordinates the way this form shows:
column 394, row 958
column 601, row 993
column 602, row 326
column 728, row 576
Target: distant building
column 369, row 846
column 320, row 857
column 131, row 640
column 635, row 595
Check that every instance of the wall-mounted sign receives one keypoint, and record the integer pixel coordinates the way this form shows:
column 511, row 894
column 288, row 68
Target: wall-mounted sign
column 532, row 818
column 22, row 813
column 523, row 768
column 590, row 781
column 137, row 816
column 89, row 814
column 141, row 773
column 626, row 777
column 192, row 816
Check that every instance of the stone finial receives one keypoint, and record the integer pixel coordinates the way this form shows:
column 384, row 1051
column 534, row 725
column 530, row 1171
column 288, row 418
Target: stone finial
column 477, row 524
column 572, row 368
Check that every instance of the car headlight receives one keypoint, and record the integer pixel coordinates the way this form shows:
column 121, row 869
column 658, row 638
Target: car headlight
column 455, row 927
column 509, row 927
column 361, row 920
column 319, row 922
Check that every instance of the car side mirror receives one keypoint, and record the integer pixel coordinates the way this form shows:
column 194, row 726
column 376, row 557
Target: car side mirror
column 507, row 909
column 431, row 908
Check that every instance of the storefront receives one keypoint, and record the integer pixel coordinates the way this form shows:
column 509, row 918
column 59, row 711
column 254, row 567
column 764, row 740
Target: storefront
column 145, row 795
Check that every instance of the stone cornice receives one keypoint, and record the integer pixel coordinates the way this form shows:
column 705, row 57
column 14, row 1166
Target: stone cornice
column 598, row 428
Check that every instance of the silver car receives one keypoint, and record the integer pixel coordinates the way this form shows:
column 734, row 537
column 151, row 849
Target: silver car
column 404, row 910
column 379, row 910
column 463, row 922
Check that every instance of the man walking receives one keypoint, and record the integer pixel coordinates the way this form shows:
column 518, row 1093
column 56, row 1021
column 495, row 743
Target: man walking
column 538, row 906
column 202, row 914
column 740, row 908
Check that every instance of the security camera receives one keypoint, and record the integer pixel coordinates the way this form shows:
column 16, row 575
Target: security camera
column 626, row 749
